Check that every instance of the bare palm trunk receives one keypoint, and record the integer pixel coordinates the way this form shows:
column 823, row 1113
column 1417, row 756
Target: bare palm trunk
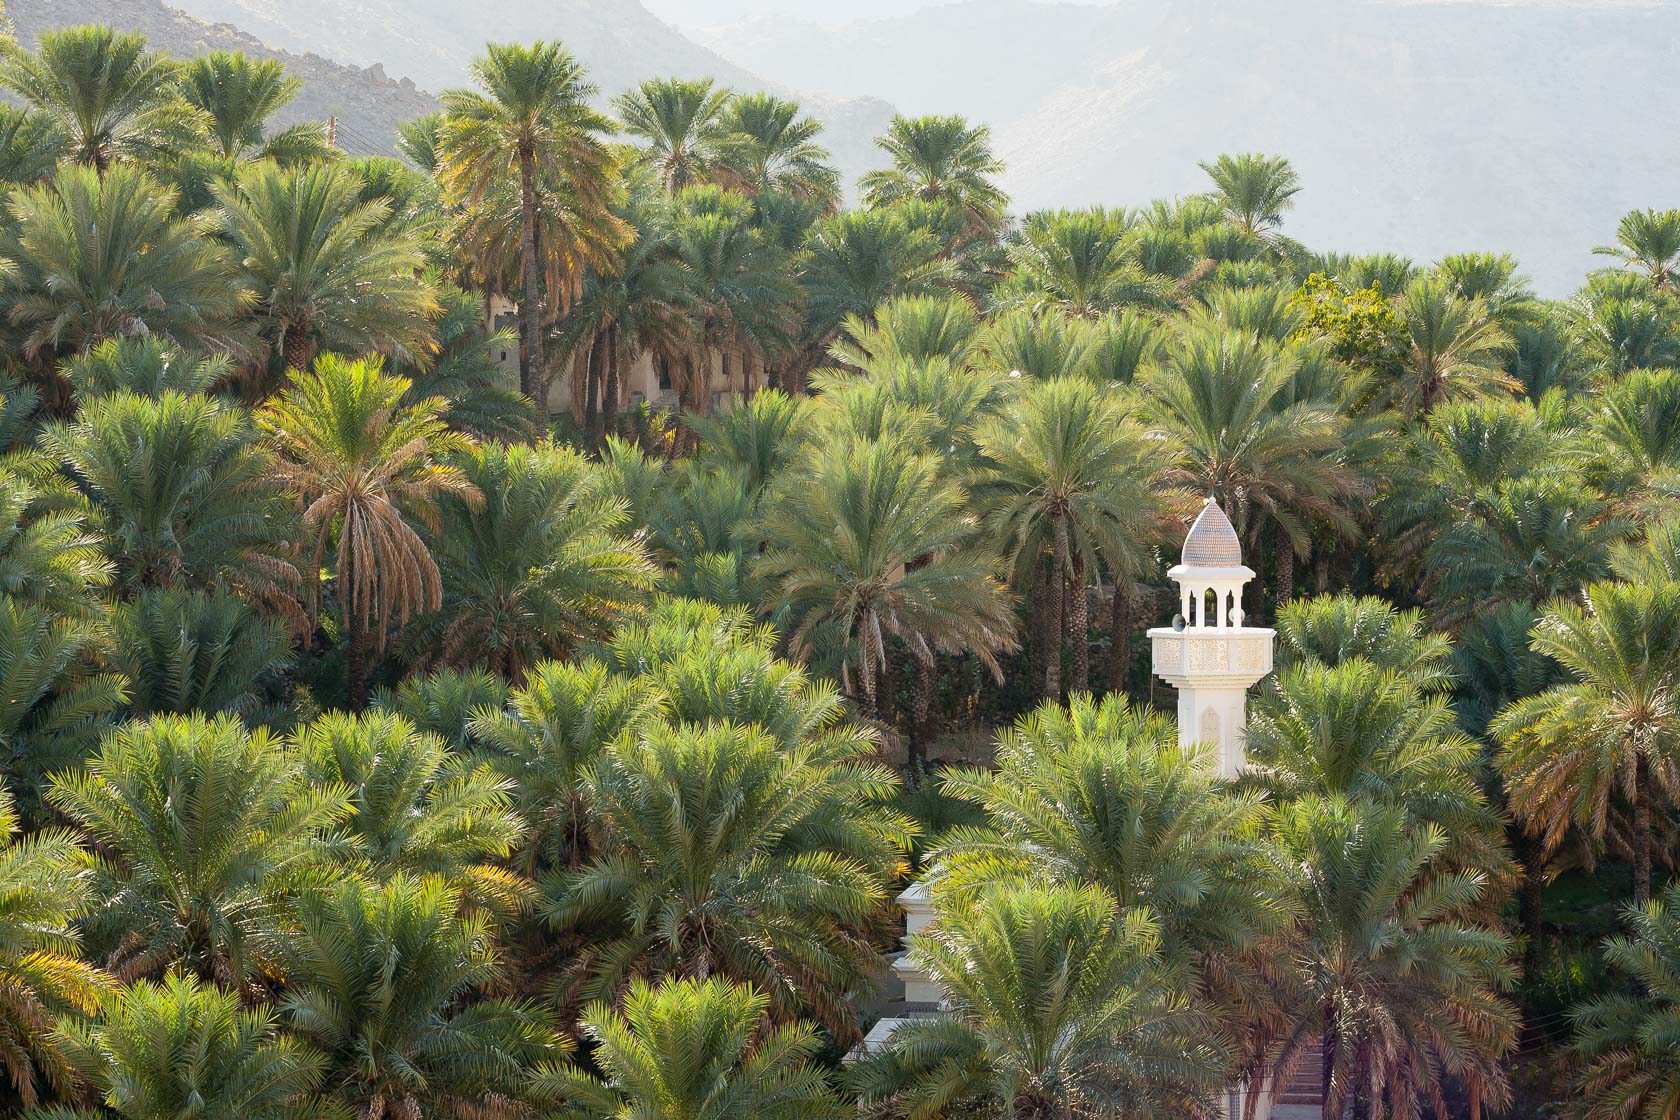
column 614, row 386
column 1641, row 833
column 1120, row 636
column 1053, row 625
column 1257, row 589
column 1079, row 625
column 355, row 643
column 1528, row 906
column 1285, row 568
column 592, row 382
column 923, row 701
column 1321, row 572
column 531, row 362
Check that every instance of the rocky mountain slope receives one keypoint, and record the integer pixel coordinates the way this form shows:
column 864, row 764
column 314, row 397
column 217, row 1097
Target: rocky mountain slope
column 368, row 103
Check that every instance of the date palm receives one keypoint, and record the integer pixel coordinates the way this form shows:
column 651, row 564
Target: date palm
column 1079, row 262
column 239, row 94
column 703, row 1050
column 1059, row 1006
column 100, row 84
column 940, row 159
column 107, row 257
column 1455, row 349
column 45, row 887
column 416, row 807
column 186, row 494
column 445, row 703
column 465, row 372
column 185, row 651
column 1331, row 629
column 1649, row 241
column 187, row 1047
column 843, row 533
column 147, row 366
column 676, row 124
column 1067, row 473
column 765, row 146
column 54, row 700
column 1621, row 1038
column 203, row 821
column 533, row 559
column 362, row 465
column 1255, row 190
column 1570, row 753
column 50, row 554
column 1098, row 793
column 328, row 270
column 383, row 981
column 722, row 853
column 31, row 146
column 531, row 126
column 1398, row 995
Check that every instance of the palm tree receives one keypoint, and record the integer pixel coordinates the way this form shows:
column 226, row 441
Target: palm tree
column 101, row 85
column 188, row 497
column 147, row 366
column 1059, row 1005
column 362, row 464
column 1398, row 995
column 1067, row 475
column 50, row 556
column 382, row 983
column 445, row 703
column 909, row 329
column 758, row 438
column 416, row 807
column 465, row 372
column 99, row 258
column 533, row 560
column 677, row 123
column 31, row 146
column 1255, row 190
column 1098, row 793
column 1331, row 629
column 1627, row 1069
column 940, row 159
column 547, row 739
column 1570, row 753
column 843, row 534
column 184, row 1046
column 239, row 94
column 1079, row 262
column 327, row 269
column 46, row 887
column 185, row 651
column 204, row 821
column 1648, row 240
column 765, row 146
column 532, row 123
column 724, row 853
column 55, row 703
column 701, row 1048
column 1456, row 349
column 1277, row 463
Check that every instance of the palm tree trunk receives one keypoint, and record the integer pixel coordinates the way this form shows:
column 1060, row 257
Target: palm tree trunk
column 1321, row 572
column 1257, row 588
column 1327, row 1054
column 1053, row 627
column 1528, row 906
column 1641, row 833
column 531, row 363
column 922, row 702
column 355, row 643
column 592, row 381
column 1079, row 625
column 614, row 386
column 1120, row 636
column 1285, row 568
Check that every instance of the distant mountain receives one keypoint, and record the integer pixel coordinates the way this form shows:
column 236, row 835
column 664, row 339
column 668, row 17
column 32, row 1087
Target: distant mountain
column 434, row 41
column 368, row 104
column 1424, row 127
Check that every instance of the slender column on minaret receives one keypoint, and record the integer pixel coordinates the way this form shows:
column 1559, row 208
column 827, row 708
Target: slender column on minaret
column 1207, row 654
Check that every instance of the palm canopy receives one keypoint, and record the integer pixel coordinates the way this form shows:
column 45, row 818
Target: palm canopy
column 695, row 1050
column 1577, row 754
column 940, row 159
column 869, row 541
column 239, row 94
column 766, row 145
column 101, row 85
column 1081, row 262
column 1331, row 629
column 1456, row 349
column 1399, row 995
column 1623, row 1040
column 676, row 125
column 1648, row 240
column 1255, row 190
column 1060, row 1006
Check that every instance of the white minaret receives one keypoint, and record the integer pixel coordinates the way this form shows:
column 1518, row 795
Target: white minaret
column 1207, row 653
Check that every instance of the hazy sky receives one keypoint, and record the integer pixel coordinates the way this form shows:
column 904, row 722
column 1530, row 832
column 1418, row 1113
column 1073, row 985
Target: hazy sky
column 691, row 14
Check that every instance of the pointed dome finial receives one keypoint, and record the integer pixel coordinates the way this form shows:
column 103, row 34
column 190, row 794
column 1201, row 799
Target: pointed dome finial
column 1212, row 542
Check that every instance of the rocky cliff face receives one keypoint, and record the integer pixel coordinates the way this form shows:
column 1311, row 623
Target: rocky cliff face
column 368, row 103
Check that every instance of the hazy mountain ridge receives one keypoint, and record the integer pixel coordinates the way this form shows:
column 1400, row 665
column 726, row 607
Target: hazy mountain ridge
column 368, row 103
column 1426, row 125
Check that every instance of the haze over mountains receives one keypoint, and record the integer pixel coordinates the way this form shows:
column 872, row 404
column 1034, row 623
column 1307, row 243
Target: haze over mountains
column 1524, row 126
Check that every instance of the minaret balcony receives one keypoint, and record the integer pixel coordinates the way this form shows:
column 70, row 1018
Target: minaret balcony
column 1205, row 654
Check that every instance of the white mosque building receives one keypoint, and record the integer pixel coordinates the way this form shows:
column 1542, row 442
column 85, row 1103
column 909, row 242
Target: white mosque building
column 1212, row 659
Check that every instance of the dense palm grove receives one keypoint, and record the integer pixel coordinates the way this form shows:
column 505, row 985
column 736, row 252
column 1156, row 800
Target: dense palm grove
column 377, row 746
